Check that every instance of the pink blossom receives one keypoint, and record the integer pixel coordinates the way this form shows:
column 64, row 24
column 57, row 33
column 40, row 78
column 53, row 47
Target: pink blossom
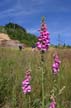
column 52, row 104
column 43, row 40
column 39, row 45
column 26, row 87
column 56, row 64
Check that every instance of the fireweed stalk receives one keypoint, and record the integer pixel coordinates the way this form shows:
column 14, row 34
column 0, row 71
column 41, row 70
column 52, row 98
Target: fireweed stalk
column 43, row 45
column 26, row 87
column 55, row 71
column 56, row 64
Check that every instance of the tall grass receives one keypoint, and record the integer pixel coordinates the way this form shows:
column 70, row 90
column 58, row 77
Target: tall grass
column 13, row 64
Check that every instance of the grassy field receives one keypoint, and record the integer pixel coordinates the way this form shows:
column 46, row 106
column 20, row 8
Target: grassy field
column 13, row 64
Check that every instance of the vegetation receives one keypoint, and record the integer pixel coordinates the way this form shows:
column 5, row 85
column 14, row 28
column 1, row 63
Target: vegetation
column 19, row 33
column 13, row 64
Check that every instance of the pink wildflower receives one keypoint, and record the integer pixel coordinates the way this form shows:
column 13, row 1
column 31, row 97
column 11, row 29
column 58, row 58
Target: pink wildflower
column 26, row 87
column 56, row 64
column 52, row 104
column 43, row 40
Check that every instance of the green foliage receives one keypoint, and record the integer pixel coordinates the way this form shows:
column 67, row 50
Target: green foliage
column 19, row 33
column 2, row 29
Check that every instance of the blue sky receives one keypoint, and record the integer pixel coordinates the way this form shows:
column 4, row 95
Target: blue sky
column 28, row 14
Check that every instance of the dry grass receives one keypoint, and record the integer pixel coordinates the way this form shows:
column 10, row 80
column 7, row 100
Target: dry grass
column 13, row 64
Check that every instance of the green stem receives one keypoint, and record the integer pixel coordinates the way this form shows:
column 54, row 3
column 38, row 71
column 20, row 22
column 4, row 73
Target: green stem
column 54, row 88
column 26, row 101
column 42, row 88
column 29, row 101
column 42, row 62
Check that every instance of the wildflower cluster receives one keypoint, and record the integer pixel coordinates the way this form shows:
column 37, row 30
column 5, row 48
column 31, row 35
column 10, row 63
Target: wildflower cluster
column 26, row 87
column 43, row 40
column 56, row 64
column 43, row 45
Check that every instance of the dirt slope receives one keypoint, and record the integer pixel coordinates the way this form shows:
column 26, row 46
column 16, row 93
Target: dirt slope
column 4, row 36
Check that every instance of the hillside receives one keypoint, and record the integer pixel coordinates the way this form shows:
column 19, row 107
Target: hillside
column 17, row 32
column 4, row 36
